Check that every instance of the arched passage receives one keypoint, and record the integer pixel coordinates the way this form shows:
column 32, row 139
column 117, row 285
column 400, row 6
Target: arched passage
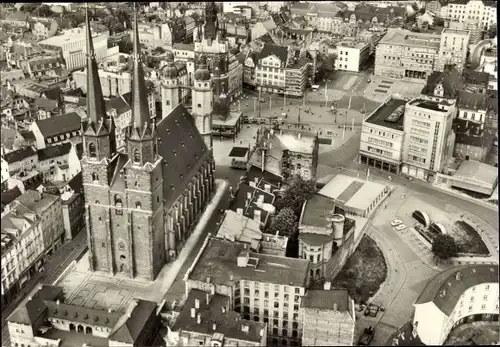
column 438, row 228
column 421, row 217
column 88, row 330
column 72, row 327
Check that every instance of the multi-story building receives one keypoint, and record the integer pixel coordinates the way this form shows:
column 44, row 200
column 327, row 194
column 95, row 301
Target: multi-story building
column 453, row 49
column 263, row 288
column 483, row 11
column 59, row 162
column 460, row 295
column 138, row 221
column 155, row 35
column 429, row 142
column 206, row 320
column 71, row 45
column 329, row 316
column 49, row 208
column 382, row 136
column 44, row 30
column 113, row 83
column 352, row 55
column 405, row 54
column 22, row 248
column 56, row 130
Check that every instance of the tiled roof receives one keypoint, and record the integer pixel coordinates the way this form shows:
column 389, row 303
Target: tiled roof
column 19, row 154
column 59, row 125
column 118, row 104
column 446, row 288
column 81, row 314
column 8, row 137
column 450, row 79
column 54, row 93
column 45, row 104
column 30, row 310
column 326, row 299
column 28, row 135
column 228, row 323
column 134, row 324
column 182, row 149
column 471, row 101
column 17, row 16
column 37, row 201
column 54, row 151
column 9, row 195
column 218, row 260
column 317, row 211
column 476, row 77
column 279, row 51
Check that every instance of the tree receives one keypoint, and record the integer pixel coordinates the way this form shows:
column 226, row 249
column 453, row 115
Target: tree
column 492, row 31
column 178, row 27
column 221, row 108
column 125, row 46
column 298, row 192
column 444, row 247
column 159, row 50
column 74, row 19
column 44, row 11
column 30, row 8
column 286, row 223
column 438, row 22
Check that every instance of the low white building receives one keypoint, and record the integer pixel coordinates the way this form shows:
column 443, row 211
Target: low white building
column 352, row 55
column 459, row 295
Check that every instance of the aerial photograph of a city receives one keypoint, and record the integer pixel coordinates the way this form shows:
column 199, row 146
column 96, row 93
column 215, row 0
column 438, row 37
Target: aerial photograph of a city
column 249, row 173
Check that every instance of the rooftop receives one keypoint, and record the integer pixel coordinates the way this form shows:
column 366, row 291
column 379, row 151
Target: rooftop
column 54, row 151
column 408, row 38
column 328, row 300
column 352, row 44
column 216, row 314
column 238, row 152
column 365, row 195
column 389, row 114
column 19, row 154
column 37, row 201
column 240, row 228
column 476, row 171
column 58, row 125
column 317, row 211
column 455, row 31
column 446, row 288
column 68, row 36
column 218, row 261
column 427, row 104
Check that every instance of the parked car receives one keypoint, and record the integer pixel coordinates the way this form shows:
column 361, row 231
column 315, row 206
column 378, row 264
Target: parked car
column 367, row 336
column 373, row 311
column 396, row 222
column 401, row 227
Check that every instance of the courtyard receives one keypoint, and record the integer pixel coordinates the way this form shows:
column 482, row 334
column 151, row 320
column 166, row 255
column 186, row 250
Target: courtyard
column 476, row 333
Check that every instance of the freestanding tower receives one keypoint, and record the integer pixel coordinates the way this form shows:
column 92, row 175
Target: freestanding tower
column 202, row 101
column 170, row 88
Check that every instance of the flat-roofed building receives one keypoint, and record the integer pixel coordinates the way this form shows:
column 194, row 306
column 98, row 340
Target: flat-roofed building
column 382, row 136
column 329, row 317
column 453, row 49
column 406, row 55
column 355, row 196
column 352, row 55
column 472, row 176
column 430, row 139
column 485, row 12
column 264, row 288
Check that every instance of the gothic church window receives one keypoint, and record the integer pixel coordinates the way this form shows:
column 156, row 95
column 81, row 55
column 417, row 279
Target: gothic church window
column 92, row 150
column 118, row 204
column 137, row 156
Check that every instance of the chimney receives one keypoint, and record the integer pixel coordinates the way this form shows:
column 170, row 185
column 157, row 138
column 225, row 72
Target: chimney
column 335, row 307
column 327, row 285
column 256, row 216
column 244, row 328
column 214, row 326
column 207, row 297
column 198, row 318
column 249, row 196
column 239, row 211
column 256, row 180
column 231, row 277
column 197, row 304
column 252, row 184
column 212, row 289
column 193, row 312
column 261, row 198
column 267, row 188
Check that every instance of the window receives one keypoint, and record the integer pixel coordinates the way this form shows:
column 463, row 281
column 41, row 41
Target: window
column 95, row 177
column 138, row 205
column 199, row 105
column 92, row 150
column 137, row 156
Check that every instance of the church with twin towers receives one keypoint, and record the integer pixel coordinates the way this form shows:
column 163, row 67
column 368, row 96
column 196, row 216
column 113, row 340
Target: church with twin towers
column 142, row 202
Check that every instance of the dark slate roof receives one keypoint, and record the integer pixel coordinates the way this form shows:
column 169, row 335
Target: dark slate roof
column 228, row 323
column 446, row 288
column 19, row 154
column 279, row 51
column 9, row 195
column 182, row 149
column 28, row 135
column 118, row 104
column 45, row 104
column 255, row 171
column 30, row 310
column 54, row 93
column 75, row 92
column 58, row 125
column 81, row 314
column 130, row 330
column 54, row 151
column 117, row 180
column 76, row 183
column 326, row 299
column 476, row 77
column 470, row 133
column 471, row 101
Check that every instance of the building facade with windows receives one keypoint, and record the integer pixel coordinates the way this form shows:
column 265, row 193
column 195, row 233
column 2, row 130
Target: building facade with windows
column 484, row 13
column 429, row 140
column 406, row 55
column 264, row 288
column 453, row 49
column 382, row 136
column 463, row 294
column 352, row 55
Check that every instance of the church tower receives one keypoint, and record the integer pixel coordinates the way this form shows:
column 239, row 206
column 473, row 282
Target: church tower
column 170, row 89
column 143, row 234
column 202, row 104
column 99, row 145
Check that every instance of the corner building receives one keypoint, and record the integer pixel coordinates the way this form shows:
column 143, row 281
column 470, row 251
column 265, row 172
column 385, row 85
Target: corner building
column 142, row 203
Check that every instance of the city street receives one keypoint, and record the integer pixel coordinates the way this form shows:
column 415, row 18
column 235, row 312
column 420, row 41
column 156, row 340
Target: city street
column 54, row 267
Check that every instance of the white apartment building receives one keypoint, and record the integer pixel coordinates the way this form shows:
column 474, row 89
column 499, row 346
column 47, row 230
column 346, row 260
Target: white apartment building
column 263, row 288
column 155, row 35
column 406, row 55
column 113, row 83
column 473, row 10
column 457, row 296
column 73, row 46
column 429, row 139
column 453, row 49
column 22, row 248
column 352, row 55
column 382, row 136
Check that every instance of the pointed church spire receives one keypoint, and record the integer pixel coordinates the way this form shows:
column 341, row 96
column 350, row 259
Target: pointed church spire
column 96, row 109
column 140, row 109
